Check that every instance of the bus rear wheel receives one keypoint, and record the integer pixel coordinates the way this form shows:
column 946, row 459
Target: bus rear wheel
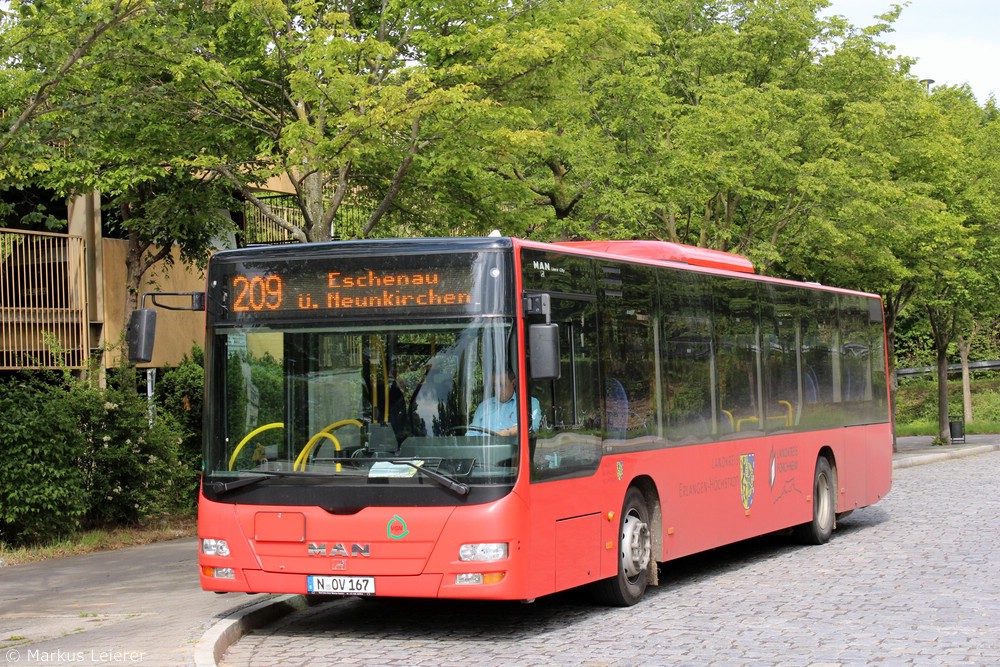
column 635, row 549
column 819, row 530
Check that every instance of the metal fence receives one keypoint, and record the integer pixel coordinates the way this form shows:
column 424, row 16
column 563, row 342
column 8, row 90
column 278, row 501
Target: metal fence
column 43, row 300
column 258, row 229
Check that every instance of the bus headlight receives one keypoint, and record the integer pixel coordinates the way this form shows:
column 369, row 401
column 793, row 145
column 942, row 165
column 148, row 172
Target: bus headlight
column 215, row 547
column 484, row 551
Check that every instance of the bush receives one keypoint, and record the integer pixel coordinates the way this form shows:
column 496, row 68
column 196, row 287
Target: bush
column 179, row 393
column 42, row 488
column 985, row 402
column 916, row 400
column 80, row 454
column 916, row 404
column 130, row 462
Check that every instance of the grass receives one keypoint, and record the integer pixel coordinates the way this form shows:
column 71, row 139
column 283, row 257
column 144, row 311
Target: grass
column 928, row 427
column 916, row 405
column 91, row 541
column 916, row 428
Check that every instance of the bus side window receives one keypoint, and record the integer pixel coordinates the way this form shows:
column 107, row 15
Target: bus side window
column 737, row 347
column 632, row 399
column 568, row 443
column 785, row 392
column 688, row 359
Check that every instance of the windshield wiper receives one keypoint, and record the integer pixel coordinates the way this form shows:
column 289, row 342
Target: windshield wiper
column 226, row 487
column 446, row 481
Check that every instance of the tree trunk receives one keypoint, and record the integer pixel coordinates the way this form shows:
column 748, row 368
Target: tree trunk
column 893, row 305
column 943, row 320
column 311, row 196
column 134, row 270
column 137, row 262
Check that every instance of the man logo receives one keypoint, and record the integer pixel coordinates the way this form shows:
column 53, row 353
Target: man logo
column 339, row 549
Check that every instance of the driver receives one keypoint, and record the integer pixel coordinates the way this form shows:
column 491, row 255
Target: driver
column 497, row 414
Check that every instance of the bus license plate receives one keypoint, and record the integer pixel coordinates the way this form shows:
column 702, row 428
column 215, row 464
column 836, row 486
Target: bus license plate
column 341, row 585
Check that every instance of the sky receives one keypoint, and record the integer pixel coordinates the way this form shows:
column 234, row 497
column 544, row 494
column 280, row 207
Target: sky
column 955, row 41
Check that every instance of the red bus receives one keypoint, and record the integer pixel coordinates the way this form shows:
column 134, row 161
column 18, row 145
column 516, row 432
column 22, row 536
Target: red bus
column 494, row 418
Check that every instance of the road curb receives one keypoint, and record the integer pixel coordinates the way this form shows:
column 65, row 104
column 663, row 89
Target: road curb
column 214, row 643
column 934, row 457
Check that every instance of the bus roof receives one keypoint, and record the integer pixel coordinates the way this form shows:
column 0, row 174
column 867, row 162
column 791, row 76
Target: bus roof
column 658, row 251
column 665, row 251
column 678, row 253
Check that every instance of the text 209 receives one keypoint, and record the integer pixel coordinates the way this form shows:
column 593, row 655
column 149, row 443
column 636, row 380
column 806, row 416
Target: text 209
column 257, row 293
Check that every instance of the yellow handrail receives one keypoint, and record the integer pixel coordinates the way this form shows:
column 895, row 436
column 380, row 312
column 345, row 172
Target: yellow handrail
column 732, row 421
column 249, row 436
column 304, row 455
column 324, row 433
column 789, row 421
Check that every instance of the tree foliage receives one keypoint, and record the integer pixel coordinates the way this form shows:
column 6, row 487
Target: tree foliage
column 77, row 119
column 346, row 101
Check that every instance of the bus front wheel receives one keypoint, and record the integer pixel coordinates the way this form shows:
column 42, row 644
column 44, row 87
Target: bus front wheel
column 819, row 530
column 635, row 548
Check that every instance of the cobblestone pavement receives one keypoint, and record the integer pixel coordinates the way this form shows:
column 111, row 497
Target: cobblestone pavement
column 913, row 580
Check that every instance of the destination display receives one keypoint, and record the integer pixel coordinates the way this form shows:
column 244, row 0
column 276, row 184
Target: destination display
column 309, row 288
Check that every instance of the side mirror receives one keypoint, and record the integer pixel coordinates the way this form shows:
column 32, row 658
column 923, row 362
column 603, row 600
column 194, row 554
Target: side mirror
column 543, row 341
column 141, row 328
column 140, row 334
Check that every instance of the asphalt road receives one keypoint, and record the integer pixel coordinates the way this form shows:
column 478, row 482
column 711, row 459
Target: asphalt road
column 140, row 606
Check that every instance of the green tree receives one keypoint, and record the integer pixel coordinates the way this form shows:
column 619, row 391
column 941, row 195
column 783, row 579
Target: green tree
column 710, row 134
column 41, row 46
column 349, row 101
column 965, row 303
column 84, row 74
column 881, row 225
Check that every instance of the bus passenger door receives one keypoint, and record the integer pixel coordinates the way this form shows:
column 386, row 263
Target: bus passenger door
column 566, row 451
column 568, row 443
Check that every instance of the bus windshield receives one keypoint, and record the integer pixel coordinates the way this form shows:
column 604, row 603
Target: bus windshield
column 362, row 405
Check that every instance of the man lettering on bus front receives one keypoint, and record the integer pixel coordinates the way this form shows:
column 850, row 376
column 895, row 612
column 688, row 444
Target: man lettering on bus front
column 497, row 414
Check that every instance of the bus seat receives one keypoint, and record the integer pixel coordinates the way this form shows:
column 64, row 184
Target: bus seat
column 617, row 409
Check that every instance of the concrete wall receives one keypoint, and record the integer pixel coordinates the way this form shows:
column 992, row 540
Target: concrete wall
column 176, row 330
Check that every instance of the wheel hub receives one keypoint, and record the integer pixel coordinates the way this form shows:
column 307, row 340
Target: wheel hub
column 636, row 546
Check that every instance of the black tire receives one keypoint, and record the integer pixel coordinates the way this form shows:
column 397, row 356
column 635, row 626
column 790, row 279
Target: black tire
column 819, row 530
column 635, row 548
